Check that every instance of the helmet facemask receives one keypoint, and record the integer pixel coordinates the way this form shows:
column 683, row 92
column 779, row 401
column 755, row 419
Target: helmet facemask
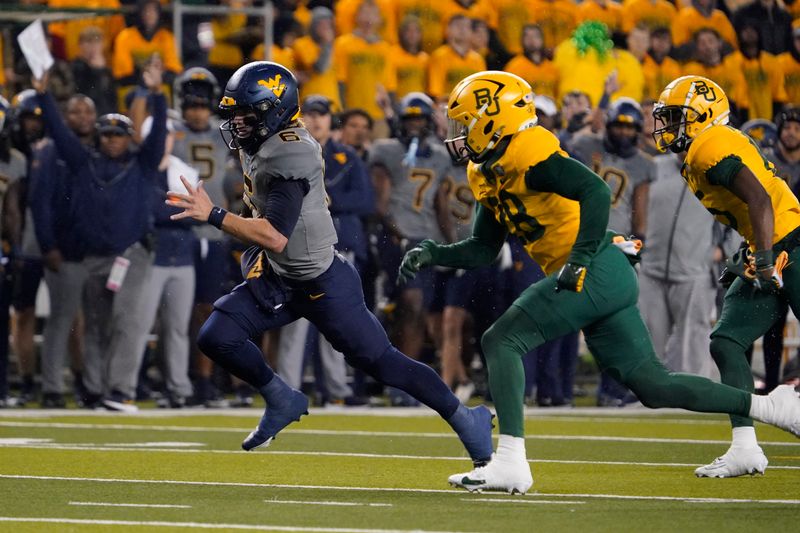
column 244, row 126
column 457, row 140
column 671, row 126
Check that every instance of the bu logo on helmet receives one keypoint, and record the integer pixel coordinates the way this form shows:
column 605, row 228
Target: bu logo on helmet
column 484, row 97
column 702, row 89
column 274, row 85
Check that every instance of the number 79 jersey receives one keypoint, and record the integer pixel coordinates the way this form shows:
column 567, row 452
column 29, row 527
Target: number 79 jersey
column 709, row 153
column 546, row 223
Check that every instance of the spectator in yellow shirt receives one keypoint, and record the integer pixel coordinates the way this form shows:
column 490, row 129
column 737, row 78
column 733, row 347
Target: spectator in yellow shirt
column 313, row 57
column 65, row 34
column 557, row 18
column 346, row 13
column 659, row 69
column 606, row 11
column 652, row 13
column 363, row 65
column 701, row 14
column 533, row 65
column 790, row 65
column 285, row 32
column 135, row 45
column 472, row 9
column 484, row 41
column 431, row 16
column 512, row 16
column 410, row 61
column 727, row 72
column 762, row 72
column 454, row 60
column 226, row 55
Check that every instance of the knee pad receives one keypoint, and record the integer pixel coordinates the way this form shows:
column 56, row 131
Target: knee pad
column 650, row 383
column 218, row 334
column 723, row 350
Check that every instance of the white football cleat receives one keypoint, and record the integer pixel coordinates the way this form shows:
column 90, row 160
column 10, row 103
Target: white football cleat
column 783, row 410
column 736, row 462
column 501, row 474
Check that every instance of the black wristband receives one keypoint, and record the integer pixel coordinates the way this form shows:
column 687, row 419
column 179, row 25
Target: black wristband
column 763, row 259
column 216, row 216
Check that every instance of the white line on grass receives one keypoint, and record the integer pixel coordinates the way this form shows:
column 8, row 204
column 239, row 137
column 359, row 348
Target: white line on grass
column 385, row 489
column 110, row 504
column 519, row 500
column 392, row 434
column 342, row 504
column 120, row 448
column 202, row 525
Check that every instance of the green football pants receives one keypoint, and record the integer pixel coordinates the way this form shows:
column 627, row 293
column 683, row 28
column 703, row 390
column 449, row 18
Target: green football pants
column 616, row 336
column 747, row 314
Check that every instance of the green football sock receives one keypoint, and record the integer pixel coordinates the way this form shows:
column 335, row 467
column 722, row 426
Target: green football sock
column 734, row 371
column 504, row 345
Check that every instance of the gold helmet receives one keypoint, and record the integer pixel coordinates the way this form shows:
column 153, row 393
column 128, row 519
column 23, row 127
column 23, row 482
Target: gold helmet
column 482, row 109
column 688, row 106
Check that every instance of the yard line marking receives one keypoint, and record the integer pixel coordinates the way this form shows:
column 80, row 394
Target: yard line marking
column 153, row 505
column 386, row 489
column 343, row 504
column 202, row 525
column 509, row 500
column 355, row 433
column 91, row 447
column 117, row 448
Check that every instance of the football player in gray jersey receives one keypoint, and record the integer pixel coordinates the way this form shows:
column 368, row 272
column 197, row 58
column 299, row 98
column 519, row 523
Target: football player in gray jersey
column 410, row 174
column 292, row 269
column 198, row 142
column 627, row 169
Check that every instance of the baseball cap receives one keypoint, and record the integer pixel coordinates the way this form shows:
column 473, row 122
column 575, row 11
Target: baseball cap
column 114, row 123
column 316, row 103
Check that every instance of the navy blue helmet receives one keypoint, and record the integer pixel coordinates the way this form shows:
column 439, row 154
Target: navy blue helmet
column 762, row 131
column 625, row 111
column 25, row 133
column 5, row 108
column 266, row 90
column 197, row 87
column 415, row 105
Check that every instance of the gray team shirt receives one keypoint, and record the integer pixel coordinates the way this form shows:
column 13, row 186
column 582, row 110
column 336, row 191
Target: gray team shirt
column 10, row 172
column 461, row 203
column 207, row 153
column 293, row 154
column 623, row 175
column 790, row 172
column 413, row 197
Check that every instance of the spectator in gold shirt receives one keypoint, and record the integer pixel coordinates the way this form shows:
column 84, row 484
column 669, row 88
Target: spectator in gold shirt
column 659, row 69
column 606, row 11
column 790, row 65
column 762, row 72
column 364, row 70
column 534, row 65
column 652, row 13
column 701, row 14
column 726, row 72
column 454, row 60
column 313, row 57
column 557, row 18
column 410, row 61
column 431, row 16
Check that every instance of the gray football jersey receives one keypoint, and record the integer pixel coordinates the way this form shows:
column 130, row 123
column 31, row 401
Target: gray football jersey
column 413, row 197
column 461, row 202
column 293, row 154
column 623, row 175
column 11, row 171
column 207, row 153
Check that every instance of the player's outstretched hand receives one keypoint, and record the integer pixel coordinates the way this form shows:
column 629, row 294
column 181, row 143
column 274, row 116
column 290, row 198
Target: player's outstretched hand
column 195, row 203
column 416, row 258
column 571, row 277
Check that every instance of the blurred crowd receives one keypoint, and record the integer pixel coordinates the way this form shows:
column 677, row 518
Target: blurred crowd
column 88, row 154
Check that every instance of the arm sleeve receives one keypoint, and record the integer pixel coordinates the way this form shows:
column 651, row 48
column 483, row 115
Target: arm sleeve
column 723, row 172
column 488, row 236
column 43, row 170
column 284, row 202
column 68, row 145
column 152, row 149
column 569, row 178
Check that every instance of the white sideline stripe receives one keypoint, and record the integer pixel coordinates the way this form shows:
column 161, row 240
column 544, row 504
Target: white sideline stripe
column 119, row 448
column 343, row 504
column 384, row 489
column 508, row 500
column 153, row 505
column 203, row 525
column 393, row 434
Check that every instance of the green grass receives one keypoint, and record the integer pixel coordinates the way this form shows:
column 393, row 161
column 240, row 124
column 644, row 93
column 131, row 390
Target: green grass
column 594, row 470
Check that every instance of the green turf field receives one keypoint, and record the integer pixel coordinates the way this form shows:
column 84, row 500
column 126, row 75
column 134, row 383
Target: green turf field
column 379, row 470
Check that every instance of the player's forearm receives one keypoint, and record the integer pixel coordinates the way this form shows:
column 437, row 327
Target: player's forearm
column 763, row 221
column 481, row 249
column 257, row 231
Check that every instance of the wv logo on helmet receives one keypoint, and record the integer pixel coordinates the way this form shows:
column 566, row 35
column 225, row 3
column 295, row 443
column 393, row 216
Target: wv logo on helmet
column 484, row 97
column 274, row 85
